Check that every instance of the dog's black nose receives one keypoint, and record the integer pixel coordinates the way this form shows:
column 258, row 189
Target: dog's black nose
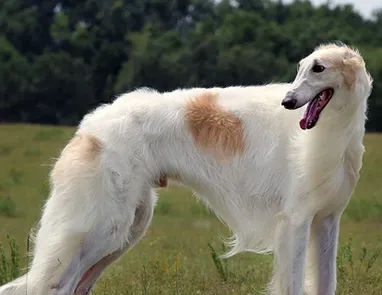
column 289, row 103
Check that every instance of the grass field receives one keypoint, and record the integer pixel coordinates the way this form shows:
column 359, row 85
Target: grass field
column 175, row 257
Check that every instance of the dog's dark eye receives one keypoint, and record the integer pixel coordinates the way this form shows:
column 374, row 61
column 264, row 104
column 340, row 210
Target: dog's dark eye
column 318, row 68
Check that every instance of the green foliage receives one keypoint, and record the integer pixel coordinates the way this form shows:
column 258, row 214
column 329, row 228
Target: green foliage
column 354, row 265
column 9, row 265
column 221, row 265
column 60, row 30
column 32, row 153
column 14, row 81
column 360, row 209
column 15, row 176
column 163, row 207
column 62, row 87
column 48, row 135
column 199, row 209
column 59, row 59
column 8, row 207
column 5, row 150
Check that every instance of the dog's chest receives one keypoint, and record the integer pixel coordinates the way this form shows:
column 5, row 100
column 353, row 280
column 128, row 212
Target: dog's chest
column 336, row 192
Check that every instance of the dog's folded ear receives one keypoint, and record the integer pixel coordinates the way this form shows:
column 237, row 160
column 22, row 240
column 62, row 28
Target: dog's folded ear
column 353, row 59
column 351, row 62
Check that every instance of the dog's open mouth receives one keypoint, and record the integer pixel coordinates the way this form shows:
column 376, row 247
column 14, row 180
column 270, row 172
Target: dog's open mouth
column 314, row 108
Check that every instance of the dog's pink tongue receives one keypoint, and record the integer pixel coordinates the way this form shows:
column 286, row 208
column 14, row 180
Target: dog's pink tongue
column 303, row 123
column 310, row 115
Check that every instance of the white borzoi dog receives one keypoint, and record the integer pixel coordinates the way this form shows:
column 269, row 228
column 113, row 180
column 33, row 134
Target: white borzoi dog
column 280, row 179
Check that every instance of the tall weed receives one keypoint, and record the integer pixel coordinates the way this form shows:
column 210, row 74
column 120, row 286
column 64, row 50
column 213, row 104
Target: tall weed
column 9, row 266
column 220, row 264
column 354, row 267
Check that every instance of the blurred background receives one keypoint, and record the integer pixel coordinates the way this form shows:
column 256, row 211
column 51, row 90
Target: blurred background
column 59, row 58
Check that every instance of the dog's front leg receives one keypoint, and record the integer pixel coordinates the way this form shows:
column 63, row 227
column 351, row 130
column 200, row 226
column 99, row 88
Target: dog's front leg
column 321, row 276
column 292, row 237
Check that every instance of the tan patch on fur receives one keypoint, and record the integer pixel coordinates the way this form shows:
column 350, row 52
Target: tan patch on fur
column 82, row 151
column 84, row 147
column 213, row 128
column 346, row 59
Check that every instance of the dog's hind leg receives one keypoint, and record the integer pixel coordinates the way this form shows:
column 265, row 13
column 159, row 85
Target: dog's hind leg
column 142, row 220
column 76, row 206
column 90, row 217
column 99, row 250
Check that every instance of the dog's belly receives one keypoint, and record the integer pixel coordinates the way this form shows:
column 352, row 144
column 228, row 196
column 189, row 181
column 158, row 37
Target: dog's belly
column 245, row 197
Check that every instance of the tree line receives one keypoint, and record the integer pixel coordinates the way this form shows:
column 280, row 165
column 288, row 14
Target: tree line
column 60, row 58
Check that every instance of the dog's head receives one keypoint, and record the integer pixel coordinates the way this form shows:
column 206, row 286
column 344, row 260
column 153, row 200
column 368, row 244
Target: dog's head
column 333, row 75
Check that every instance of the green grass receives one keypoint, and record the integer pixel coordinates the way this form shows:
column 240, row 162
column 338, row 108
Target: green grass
column 7, row 207
column 179, row 254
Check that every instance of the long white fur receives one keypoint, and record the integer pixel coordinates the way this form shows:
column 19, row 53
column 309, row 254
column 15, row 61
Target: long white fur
column 285, row 194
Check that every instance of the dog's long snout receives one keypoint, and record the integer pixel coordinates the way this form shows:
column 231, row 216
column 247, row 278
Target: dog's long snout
column 290, row 101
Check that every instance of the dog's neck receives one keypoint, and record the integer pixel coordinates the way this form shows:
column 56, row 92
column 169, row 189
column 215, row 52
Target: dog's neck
column 337, row 139
column 348, row 123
